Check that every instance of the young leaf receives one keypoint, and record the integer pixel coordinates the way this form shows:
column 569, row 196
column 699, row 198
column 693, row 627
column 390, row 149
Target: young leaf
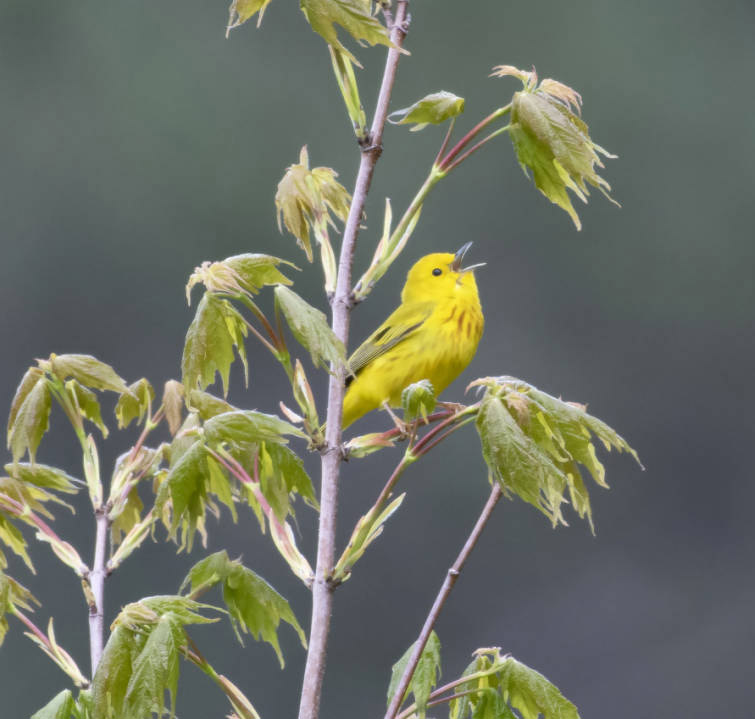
column 12, row 595
column 532, row 695
column 367, row 530
column 240, row 275
column 417, row 400
column 425, row 675
column 215, row 330
column 173, row 404
column 310, row 327
column 86, row 403
column 282, row 475
column 254, row 606
column 29, row 416
column 242, row 428
column 134, row 404
column 242, row 10
column 43, row 476
column 61, row 706
column 87, row 370
column 352, row 15
column 207, row 405
column 553, row 141
column 12, row 538
column 431, row 109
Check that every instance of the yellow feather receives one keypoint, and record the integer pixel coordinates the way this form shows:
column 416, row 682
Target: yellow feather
column 432, row 335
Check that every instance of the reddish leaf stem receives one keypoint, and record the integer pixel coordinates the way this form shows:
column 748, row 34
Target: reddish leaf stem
column 322, row 589
column 464, row 141
column 440, row 600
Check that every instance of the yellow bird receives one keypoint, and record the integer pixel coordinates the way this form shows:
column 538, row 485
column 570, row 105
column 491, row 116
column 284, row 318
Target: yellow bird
column 432, row 335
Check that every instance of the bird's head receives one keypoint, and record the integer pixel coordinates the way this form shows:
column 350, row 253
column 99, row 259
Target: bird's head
column 440, row 276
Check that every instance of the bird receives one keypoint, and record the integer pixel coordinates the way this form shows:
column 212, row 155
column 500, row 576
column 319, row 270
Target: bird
column 432, row 335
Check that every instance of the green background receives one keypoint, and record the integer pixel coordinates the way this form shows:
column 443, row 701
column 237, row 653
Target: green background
column 138, row 142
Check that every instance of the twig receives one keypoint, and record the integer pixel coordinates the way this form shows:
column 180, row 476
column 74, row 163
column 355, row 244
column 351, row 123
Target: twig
column 322, row 591
column 97, row 584
column 445, row 590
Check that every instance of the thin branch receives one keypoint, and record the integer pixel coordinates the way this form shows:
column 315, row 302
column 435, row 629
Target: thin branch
column 440, row 600
column 322, row 590
column 97, row 584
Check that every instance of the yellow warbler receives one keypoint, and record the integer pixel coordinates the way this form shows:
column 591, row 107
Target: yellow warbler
column 432, row 335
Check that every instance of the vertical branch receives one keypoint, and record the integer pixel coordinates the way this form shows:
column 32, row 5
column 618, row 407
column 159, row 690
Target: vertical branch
column 322, row 590
column 97, row 583
column 440, row 600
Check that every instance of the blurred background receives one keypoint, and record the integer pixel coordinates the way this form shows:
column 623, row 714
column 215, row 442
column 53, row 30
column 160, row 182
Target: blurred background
column 137, row 142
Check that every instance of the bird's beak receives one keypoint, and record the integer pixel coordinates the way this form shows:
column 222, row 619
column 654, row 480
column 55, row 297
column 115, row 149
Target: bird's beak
column 459, row 258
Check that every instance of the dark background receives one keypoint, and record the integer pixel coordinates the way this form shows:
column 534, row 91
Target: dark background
column 138, row 142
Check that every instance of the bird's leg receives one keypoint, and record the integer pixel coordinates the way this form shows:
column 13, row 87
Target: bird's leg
column 403, row 427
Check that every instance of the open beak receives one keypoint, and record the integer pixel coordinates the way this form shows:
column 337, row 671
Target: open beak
column 459, row 258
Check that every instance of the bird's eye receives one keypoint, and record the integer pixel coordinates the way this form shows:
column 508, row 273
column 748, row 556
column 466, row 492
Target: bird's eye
column 437, row 271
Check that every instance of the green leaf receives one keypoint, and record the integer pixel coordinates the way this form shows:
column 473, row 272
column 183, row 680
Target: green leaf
column 215, row 330
column 553, row 142
column 425, row 675
column 208, row 405
column 173, row 404
column 254, row 606
column 242, row 10
column 417, row 400
column 12, row 538
column 44, row 476
column 239, row 276
column 532, row 695
column 241, row 428
column 517, row 462
column 431, row 109
column 86, row 404
column 61, row 706
column 129, row 515
column 135, row 403
column 87, row 370
column 12, row 594
column 282, row 475
column 306, row 199
column 367, row 530
column 29, row 418
column 310, row 327
column 140, row 660
column 352, row 15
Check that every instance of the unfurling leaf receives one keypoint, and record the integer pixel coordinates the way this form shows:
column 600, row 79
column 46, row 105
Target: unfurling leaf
column 352, row 15
column 173, row 404
column 140, row 661
column 367, row 530
column 239, row 276
column 86, row 403
column 425, row 676
column 310, row 327
column 310, row 199
column 215, row 330
column 431, row 109
column 134, row 404
column 61, row 706
column 417, row 400
column 343, row 68
column 552, row 140
column 499, row 684
column 533, row 444
column 60, row 656
column 12, row 596
column 43, row 476
column 86, row 370
column 242, row 10
column 242, row 428
column 29, row 414
column 282, row 476
column 254, row 606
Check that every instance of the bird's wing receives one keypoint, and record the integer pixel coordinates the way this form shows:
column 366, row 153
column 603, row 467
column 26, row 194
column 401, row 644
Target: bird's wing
column 403, row 323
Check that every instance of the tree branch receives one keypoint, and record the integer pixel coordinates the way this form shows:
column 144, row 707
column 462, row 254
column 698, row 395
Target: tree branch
column 97, row 584
column 440, row 600
column 322, row 590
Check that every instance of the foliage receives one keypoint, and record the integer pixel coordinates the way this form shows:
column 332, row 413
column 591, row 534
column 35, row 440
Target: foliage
column 218, row 457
